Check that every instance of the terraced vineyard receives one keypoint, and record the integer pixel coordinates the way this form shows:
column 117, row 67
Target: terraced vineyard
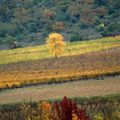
column 80, row 60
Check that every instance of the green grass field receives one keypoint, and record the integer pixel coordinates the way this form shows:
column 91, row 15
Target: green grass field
column 41, row 52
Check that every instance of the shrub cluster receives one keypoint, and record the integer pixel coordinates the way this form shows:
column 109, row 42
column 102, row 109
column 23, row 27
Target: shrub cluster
column 64, row 110
column 95, row 108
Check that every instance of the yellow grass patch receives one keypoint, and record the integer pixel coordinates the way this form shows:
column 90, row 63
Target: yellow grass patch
column 41, row 52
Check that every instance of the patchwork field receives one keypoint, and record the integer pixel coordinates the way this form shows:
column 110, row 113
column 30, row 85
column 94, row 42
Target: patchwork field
column 93, row 66
column 94, row 59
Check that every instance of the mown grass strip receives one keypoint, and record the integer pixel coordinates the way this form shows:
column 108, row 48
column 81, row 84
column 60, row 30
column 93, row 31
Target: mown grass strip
column 78, row 100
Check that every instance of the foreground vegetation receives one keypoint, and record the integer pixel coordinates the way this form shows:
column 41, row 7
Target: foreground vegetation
column 80, row 60
column 95, row 108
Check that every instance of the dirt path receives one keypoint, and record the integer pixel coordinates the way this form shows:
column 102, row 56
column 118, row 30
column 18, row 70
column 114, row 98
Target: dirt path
column 110, row 85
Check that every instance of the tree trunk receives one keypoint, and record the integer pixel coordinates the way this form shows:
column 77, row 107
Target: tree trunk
column 56, row 56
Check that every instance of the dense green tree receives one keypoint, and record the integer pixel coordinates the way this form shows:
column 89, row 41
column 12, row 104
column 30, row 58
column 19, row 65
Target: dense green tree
column 22, row 19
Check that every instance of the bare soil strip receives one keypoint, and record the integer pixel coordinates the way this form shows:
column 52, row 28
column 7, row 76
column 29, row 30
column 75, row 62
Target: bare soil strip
column 109, row 85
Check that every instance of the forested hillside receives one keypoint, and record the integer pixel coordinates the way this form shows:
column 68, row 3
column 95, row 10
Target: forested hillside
column 28, row 22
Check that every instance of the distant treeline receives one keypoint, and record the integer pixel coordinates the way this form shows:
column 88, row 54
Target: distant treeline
column 28, row 22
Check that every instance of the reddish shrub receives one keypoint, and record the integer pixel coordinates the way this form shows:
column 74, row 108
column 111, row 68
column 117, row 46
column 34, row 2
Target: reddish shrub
column 66, row 108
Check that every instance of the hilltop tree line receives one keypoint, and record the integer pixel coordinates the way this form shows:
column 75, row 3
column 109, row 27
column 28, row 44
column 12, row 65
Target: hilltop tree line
column 28, row 22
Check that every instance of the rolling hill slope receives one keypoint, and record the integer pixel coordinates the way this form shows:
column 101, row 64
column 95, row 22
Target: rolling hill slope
column 74, row 48
column 34, row 65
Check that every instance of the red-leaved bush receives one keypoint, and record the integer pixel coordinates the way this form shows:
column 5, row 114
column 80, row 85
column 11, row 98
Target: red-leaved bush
column 63, row 110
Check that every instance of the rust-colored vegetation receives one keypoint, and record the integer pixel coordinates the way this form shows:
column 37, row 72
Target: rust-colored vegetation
column 62, row 69
column 99, row 108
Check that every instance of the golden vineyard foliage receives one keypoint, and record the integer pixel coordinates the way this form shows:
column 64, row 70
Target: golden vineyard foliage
column 46, row 111
column 74, row 116
column 55, row 44
column 71, row 48
column 43, row 68
column 41, row 112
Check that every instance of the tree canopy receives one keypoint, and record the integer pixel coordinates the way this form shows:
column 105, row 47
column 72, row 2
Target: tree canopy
column 30, row 21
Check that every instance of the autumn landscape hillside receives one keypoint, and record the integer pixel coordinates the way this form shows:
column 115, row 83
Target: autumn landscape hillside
column 59, row 59
column 32, row 73
column 35, row 65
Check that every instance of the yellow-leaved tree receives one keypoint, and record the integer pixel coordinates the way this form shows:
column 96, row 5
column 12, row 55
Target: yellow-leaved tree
column 55, row 42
